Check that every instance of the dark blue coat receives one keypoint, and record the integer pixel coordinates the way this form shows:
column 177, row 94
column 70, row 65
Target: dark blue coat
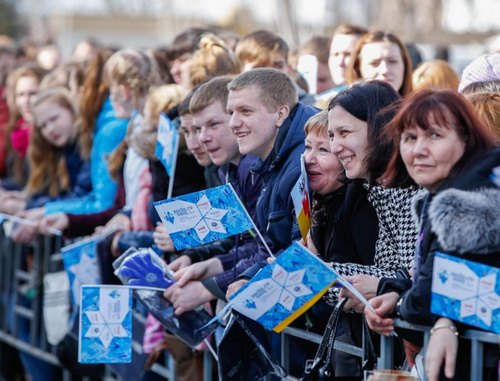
column 280, row 171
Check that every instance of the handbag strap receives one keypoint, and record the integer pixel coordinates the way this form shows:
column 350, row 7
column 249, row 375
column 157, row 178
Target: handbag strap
column 329, row 335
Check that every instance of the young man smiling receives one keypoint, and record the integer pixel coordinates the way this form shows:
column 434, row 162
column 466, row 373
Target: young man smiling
column 208, row 279
column 268, row 121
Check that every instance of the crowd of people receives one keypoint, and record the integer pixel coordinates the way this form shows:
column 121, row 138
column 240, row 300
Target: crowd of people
column 398, row 155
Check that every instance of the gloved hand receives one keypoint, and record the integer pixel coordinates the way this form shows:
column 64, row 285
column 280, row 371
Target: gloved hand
column 140, row 270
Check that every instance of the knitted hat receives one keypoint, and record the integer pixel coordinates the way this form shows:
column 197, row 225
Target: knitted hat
column 484, row 68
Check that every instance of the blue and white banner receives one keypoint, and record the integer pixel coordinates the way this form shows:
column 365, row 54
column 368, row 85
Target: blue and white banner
column 105, row 325
column 466, row 291
column 82, row 265
column 202, row 217
column 167, row 144
column 284, row 289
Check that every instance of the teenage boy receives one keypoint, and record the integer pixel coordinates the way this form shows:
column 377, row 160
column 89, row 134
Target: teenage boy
column 208, row 279
column 268, row 122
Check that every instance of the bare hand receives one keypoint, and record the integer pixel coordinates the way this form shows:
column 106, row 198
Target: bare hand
column 179, row 263
column 199, row 271
column 12, row 202
column 443, row 346
column 35, row 214
column 384, row 306
column 411, row 350
column 162, row 239
column 235, row 286
column 189, row 297
column 23, row 233
column 120, row 220
column 57, row 221
column 366, row 284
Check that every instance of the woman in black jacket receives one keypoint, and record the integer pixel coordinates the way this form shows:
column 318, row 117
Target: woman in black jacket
column 442, row 146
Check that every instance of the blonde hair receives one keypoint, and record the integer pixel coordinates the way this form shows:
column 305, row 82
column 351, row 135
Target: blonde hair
column 48, row 170
column 134, row 69
column 161, row 100
column 487, row 106
column 213, row 58
column 317, row 124
column 435, row 74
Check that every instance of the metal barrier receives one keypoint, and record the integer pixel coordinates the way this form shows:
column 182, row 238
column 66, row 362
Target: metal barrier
column 16, row 280
column 21, row 298
column 478, row 340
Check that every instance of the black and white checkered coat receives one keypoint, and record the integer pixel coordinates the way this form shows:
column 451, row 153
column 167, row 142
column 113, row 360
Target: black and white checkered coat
column 395, row 246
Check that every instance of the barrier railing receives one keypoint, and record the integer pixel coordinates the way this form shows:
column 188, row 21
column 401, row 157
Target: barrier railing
column 15, row 281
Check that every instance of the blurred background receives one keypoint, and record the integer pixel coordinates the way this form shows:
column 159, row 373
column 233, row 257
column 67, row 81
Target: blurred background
column 455, row 30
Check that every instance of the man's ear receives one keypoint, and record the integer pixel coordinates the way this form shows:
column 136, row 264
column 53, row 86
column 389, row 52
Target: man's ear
column 283, row 112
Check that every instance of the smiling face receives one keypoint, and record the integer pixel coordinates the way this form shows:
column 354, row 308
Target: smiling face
column 26, row 89
column 192, row 142
column 253, row 124
column 430, row 155
column 383, row 61
column 349, row 142
column 55, row 123
column 322, row 166
column 212, row 126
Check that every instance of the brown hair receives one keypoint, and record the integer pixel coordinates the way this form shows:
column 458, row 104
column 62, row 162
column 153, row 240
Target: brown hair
column 435, row 74
column 211, row 59
column 261, row 47
column 48, row 170
column 210, row 92
column 276, row 88
column 27, row 70
column 318, row 46
column 350, row 29
column 63, row 75
column 94, row 94
column 353, row 72
column 445, row 108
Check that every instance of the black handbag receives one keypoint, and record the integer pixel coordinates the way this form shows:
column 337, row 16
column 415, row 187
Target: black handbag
column 321, row 367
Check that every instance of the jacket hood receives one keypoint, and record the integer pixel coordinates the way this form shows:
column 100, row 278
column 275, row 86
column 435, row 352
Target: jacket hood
column 467, row 221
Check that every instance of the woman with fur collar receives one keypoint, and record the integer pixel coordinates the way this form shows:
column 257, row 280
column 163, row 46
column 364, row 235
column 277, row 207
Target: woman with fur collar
column 442, row 146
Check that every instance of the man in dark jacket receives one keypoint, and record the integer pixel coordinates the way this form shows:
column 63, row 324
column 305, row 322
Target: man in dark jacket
column 268, row 121
column 208, row 279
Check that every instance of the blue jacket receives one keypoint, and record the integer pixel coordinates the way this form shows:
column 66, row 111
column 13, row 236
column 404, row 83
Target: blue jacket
column 109, row 132
column 280, row 171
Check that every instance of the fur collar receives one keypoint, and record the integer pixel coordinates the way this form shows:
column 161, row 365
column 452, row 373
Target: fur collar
column 466, row 221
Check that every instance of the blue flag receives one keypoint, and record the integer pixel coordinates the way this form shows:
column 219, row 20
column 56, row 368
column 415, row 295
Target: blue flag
column 285, row 289
column 82, row 265
column 105, row 325
column 202, row 217
column 167, row 143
